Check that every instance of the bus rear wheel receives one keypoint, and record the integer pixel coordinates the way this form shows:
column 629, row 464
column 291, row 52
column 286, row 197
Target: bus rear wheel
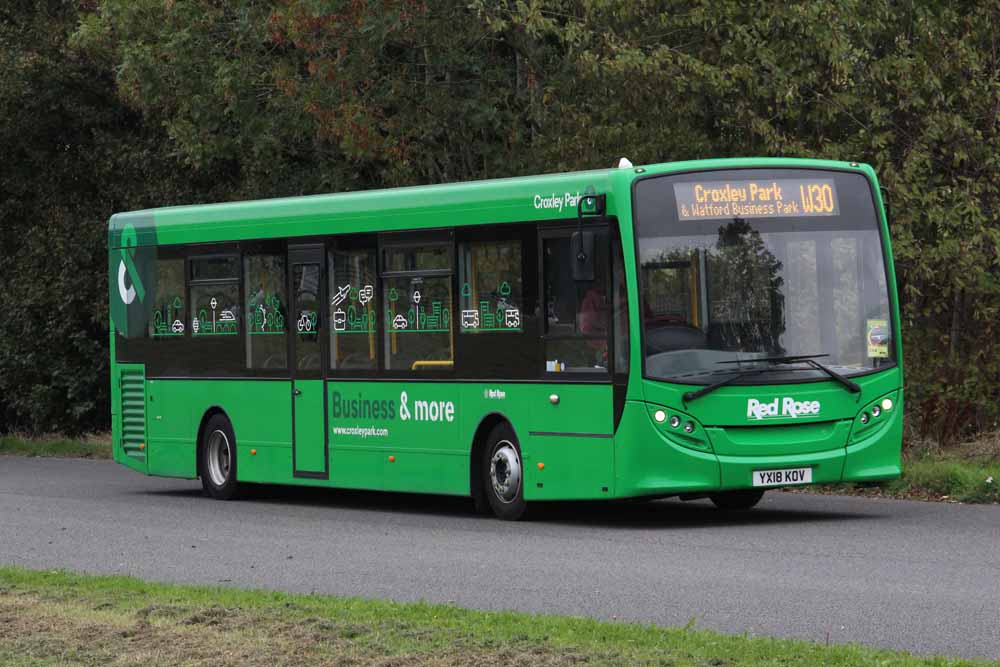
column 503, row 474
column 736, row 500
column 218, row 459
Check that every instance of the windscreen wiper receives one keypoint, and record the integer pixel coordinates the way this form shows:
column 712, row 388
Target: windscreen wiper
column 808, row 359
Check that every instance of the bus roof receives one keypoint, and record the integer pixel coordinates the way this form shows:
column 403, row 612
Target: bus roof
column 506, row 200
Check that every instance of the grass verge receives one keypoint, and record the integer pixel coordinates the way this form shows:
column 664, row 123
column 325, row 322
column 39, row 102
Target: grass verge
column 56, row 618
column 966, row 472
column 91, row 447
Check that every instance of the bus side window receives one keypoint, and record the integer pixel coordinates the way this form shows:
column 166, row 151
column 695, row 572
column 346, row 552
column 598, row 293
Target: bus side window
column 168, row 319
column 491, row 292
column 577, row 313
column 266, row 312
column 619, row 308
column 417, row 303
column 353, row 306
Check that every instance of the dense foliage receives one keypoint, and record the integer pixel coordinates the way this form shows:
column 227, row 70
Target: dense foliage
column 116, row 104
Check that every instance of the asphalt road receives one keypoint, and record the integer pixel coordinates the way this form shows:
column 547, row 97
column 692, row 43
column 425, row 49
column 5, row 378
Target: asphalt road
column 922, row 577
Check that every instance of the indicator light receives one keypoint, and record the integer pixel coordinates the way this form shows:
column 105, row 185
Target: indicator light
column 660, row 416
column 541, row 466
column 876, row 411
column 253, row 452
column 675, row 421
column 392, row 459
column 864, row 417
column 689, row 427
column 887, row 404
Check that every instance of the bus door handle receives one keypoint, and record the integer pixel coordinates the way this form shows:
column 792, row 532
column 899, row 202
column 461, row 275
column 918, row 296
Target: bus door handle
column 296, row 392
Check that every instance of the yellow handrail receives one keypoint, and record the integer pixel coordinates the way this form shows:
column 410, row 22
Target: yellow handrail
column 417, row 365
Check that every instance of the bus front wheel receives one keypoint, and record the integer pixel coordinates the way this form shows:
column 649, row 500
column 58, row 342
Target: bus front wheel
column 218, row 459
column 503, row 474
column 736, row 500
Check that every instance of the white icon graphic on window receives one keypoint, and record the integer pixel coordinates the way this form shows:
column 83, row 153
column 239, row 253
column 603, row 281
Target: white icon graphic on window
column 177, row 327
column 470, row 319
column 399, row 322
column 227, row 316
column 341, row 295
column 512, row 318
column 339, row 320
column 196, row 325
column 305, row 322
column 366, row 294
column 416, row 296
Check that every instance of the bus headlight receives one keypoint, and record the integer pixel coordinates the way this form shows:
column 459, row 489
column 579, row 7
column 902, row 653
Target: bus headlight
column 887, row 404
column 678, row 428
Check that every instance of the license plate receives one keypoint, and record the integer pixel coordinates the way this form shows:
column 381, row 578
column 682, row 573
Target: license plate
column 780, row 477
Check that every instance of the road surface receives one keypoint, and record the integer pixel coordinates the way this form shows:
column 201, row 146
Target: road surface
column 922, row 577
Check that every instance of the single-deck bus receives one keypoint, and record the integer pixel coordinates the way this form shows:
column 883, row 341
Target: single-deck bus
column 696, row 329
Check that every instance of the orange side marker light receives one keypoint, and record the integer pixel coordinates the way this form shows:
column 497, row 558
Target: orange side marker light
column 392, row 459
column 142, row 446
column 541, row 466
column 253, row 452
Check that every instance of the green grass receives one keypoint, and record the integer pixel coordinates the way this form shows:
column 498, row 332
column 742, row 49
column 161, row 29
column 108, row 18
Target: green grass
column 950, row 479
column 57, row 618
column 94, row 447
column 965, row 472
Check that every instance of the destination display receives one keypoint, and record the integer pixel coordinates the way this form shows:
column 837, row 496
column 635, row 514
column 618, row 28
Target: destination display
column 756, row 199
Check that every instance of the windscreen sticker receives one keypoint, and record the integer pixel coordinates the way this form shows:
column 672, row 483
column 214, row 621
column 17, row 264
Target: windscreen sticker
column 877, row 334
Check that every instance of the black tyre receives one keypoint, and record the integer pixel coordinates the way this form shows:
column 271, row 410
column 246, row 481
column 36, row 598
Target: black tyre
column 737, row 500
column 503, row 474
column 217, row 465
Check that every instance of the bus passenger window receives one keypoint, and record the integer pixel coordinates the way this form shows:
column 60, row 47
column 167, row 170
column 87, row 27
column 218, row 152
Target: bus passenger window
column 266, row 312
column 577, row 312
column 490, row 283
column 353, row 308
column 167, row 319
column 215, row 292
column 418, row 307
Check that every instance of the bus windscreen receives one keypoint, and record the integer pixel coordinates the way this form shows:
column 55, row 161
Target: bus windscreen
column 744, row 265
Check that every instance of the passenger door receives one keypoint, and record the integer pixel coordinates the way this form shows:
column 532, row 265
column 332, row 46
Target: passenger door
column 571, row 427
column 310, row 446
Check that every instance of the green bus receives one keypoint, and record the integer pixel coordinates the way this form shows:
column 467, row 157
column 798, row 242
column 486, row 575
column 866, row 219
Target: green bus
column 697, row 329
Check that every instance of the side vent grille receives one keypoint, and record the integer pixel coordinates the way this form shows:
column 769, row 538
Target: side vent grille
column 133, row 385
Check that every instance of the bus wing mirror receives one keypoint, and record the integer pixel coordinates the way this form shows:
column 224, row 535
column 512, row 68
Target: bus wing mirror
column 582, row 246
